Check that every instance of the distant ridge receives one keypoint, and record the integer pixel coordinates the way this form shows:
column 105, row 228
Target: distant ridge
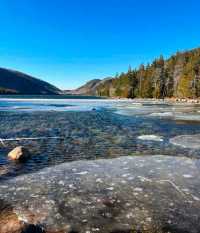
column 15, row 82
column 90, row 88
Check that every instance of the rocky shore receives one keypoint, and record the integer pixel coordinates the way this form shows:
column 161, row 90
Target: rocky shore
column 154, row 194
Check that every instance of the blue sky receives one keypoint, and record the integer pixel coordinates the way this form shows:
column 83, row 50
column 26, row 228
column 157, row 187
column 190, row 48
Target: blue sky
column 70, row 42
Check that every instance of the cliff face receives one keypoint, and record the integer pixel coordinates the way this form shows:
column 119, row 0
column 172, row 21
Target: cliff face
column 178, row 76
column 14, row 82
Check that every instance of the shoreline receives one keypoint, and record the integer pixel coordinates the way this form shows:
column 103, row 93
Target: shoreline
column 182, row 100
column 25, row 98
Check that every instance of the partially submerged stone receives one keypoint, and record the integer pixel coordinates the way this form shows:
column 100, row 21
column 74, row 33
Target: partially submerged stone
column 127, row 194
column 19, row 153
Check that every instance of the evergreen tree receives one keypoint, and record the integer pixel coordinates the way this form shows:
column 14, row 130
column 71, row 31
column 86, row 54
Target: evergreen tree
column 178, row 76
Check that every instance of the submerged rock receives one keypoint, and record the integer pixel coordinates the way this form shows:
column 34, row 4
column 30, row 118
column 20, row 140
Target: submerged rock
column 127, row 194
column 19, row 153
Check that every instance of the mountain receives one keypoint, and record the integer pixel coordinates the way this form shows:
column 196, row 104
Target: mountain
column 14, row 82
column 90, row 88
column 177, row 76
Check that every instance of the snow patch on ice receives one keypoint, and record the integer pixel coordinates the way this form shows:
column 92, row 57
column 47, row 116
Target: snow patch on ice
column 187, row 141
column 150, row 137
column 161, row 114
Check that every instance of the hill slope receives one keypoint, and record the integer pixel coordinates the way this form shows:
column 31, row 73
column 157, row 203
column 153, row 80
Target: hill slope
column 178, row 76
column 14, row 82
column 90, row 88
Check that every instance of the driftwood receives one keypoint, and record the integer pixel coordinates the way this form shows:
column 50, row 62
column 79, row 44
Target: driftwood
column 2, row 140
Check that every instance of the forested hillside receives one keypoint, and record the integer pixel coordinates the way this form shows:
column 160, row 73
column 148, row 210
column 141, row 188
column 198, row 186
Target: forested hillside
column 14, row 82
column 178, row 76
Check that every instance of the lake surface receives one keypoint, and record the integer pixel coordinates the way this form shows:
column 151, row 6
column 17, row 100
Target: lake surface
column 99, row 165
column 64, row 130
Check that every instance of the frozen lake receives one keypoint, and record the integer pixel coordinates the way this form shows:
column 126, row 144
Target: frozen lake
column 101, row 165
column 57, row 131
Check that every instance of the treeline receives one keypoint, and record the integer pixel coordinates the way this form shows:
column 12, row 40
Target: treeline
column 178, row 76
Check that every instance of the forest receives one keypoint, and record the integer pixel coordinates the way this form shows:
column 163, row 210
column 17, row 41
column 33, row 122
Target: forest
column 178, row 76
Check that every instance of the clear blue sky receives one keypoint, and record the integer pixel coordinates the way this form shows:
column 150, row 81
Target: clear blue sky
column 68, row 42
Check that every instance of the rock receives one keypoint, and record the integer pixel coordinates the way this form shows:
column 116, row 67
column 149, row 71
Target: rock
column 19, row 153
column 9, row 222
column 31, row 228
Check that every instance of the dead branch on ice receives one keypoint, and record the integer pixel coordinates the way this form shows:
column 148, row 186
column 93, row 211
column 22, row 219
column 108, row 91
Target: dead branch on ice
column 2, row 140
